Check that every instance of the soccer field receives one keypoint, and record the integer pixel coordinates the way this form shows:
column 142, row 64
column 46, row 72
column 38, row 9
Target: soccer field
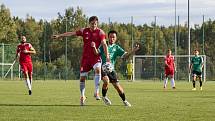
column 59, row 101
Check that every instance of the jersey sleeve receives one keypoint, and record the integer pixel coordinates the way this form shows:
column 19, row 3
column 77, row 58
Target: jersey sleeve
column 100, row 49
column 202, row 60
column 173, row 58
column 29, row 45
column 79, row 32
column 102, row 35
column 192, row 60
column 120, row 52
column 165, row 60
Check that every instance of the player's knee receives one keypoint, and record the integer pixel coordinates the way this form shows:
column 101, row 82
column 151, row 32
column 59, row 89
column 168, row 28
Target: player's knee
column 105, row 85
column 97, row 70
column 82, row 78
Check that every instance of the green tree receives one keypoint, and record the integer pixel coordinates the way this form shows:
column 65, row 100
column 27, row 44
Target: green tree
column 7, row 26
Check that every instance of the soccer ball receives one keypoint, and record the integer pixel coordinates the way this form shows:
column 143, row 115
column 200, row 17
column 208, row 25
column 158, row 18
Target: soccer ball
column 107, row 67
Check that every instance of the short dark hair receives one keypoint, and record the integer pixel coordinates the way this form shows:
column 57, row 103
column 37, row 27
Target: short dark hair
column 112, row 32
column 92, row 18
column 196, row 50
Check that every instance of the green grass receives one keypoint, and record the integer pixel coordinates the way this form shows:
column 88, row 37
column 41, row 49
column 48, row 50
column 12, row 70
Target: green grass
column 59, row 101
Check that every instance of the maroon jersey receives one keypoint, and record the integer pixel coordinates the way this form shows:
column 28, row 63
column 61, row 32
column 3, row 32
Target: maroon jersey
column 89, row 58
column 24, row 57
column 169, row 60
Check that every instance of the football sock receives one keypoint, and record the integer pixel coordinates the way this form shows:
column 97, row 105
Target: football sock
column 122, row 95
column 165, row 82
column 172, row 82
column 28, row 83
column 82, row 88
column 194, row 84
column 97, row 80
column 200, row 83
column 104, row 92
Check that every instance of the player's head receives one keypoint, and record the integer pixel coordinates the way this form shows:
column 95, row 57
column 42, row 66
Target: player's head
column 93, row 21
column 196, row 52
column 130, row 61
column 169, row 52
column 23, row 39
column 112, row 36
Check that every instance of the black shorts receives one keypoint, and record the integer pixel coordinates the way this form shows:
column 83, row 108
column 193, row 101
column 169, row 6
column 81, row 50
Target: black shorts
column 197, row 73
column 112, row 76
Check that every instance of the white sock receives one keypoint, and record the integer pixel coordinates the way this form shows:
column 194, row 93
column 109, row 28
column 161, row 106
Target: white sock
column 172, row 82
column 165, row 82
column 82, row 88
column 97, row 79
column 28, row 83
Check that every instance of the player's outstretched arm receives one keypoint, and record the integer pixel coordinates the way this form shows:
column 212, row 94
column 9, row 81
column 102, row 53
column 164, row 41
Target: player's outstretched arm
column 190, row 68
column 105, row 47
column 66, row 34
column 175, row 68
column 137, row 47
column 16, row 57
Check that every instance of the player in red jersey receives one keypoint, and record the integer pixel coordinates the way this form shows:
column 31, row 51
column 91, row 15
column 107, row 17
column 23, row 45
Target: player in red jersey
column 169, row 69
column 24, row 51
column 89, row 59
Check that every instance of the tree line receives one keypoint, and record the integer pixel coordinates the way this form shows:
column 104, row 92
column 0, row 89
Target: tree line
column 51, row 54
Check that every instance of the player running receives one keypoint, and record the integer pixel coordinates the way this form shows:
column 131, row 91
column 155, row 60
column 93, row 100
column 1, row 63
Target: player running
column 169, row 69
column 24, row 51
column 196, row 66
column 114, row 51
column 89, row 59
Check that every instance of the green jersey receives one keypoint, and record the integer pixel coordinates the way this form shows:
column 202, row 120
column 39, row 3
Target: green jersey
column 197, row 62
column 114, row 51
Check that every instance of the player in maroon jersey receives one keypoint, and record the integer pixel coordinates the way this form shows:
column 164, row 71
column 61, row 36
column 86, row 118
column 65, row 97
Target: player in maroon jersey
column 169, row 69
column 24, row 51
column 89, row 59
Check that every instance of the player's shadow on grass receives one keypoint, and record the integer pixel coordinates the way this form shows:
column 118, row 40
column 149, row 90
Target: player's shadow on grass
column 57, row 105
column 34, row 105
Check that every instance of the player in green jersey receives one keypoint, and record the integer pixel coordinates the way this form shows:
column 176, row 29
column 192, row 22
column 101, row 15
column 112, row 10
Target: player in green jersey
column 196, row 67
column 114, row 52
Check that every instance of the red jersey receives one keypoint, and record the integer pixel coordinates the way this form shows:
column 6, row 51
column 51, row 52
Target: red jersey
column 89, row 36
column 24, row 57
column 169, row 60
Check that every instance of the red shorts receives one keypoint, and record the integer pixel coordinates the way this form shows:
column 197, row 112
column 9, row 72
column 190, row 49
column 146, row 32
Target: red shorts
column 87, row 64
column 169, row 72
column 26, row 67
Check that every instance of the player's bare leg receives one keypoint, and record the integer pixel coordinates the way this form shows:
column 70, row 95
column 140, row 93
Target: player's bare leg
column 130, row 78
column 105, row 89
column 121, row 93
column 97, row 79
column 82, row 90
column 194, row 82
column 200, row 82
